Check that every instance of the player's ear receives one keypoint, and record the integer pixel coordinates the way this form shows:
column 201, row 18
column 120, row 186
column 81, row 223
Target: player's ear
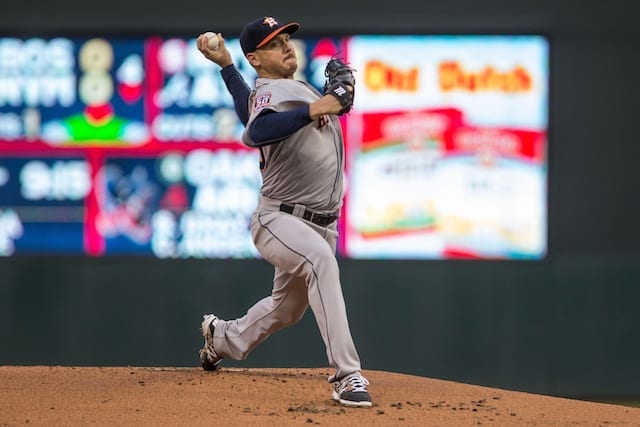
column 253, row 59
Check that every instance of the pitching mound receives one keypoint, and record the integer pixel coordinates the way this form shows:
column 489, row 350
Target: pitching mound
column 272, row 397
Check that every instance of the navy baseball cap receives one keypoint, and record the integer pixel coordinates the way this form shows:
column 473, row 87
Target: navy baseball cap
column 259, row 32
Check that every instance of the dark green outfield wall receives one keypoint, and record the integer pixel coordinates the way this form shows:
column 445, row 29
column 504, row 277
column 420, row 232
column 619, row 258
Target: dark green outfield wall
column 565, row 327
column 569, row 325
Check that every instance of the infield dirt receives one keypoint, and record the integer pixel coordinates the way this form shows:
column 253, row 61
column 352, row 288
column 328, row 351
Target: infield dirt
column 128, row 396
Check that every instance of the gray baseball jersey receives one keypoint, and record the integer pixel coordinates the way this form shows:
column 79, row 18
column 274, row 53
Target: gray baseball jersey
column 304, row 171
column 306, row 168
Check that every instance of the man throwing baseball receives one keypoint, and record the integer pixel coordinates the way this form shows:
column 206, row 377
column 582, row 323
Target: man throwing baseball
column 294, row 226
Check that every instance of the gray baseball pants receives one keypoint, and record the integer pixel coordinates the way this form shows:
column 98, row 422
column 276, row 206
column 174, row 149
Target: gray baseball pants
column 306, row 274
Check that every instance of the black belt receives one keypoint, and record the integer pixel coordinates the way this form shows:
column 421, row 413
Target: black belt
column 315, row 217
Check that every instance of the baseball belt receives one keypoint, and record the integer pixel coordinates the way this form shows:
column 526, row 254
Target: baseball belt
column 317, row 218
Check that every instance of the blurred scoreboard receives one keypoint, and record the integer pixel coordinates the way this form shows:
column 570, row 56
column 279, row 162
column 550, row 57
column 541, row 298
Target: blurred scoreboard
column 131, row 146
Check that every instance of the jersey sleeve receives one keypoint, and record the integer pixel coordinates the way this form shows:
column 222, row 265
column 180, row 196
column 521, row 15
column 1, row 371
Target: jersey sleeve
column 270, row 127
column 275, row 96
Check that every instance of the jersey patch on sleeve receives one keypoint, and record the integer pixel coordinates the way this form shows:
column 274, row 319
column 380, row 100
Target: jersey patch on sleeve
column 262, row 101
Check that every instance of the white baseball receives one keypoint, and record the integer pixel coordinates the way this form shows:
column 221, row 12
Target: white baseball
column 212, row 40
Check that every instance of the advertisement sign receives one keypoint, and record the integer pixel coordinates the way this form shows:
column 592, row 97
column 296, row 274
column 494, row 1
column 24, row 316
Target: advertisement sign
column 131, row 146
column 447, row 147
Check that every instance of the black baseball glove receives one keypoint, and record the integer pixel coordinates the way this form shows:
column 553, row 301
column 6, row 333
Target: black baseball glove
column 340, row 83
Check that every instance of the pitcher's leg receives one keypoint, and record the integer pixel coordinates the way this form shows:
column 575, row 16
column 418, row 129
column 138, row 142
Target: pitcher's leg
column 285, row 306
column 297, row 248
column 327, row 302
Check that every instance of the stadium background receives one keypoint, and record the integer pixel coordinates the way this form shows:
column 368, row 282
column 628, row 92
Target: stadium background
column 567, row 325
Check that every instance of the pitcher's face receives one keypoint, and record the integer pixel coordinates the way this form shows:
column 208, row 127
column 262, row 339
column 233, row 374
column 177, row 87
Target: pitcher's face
column 276, row 59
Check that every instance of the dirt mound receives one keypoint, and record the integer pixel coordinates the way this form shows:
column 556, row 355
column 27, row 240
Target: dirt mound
column 272, row 397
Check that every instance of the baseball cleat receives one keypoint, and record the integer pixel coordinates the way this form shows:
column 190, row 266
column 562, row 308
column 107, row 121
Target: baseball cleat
column 209, row 359
column 352, row 391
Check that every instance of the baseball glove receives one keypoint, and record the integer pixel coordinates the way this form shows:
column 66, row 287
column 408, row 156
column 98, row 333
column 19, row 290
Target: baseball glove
column 340, row 83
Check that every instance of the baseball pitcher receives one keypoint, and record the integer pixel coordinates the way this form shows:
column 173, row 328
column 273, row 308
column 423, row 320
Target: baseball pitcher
column 297, row 131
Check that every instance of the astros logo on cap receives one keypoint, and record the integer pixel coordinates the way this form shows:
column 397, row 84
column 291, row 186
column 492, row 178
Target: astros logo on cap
column 259, row 32
column 270, row 22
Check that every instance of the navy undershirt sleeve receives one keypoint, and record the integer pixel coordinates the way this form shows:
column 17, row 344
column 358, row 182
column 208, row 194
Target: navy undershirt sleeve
column 271, row 126
column 239, row 91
